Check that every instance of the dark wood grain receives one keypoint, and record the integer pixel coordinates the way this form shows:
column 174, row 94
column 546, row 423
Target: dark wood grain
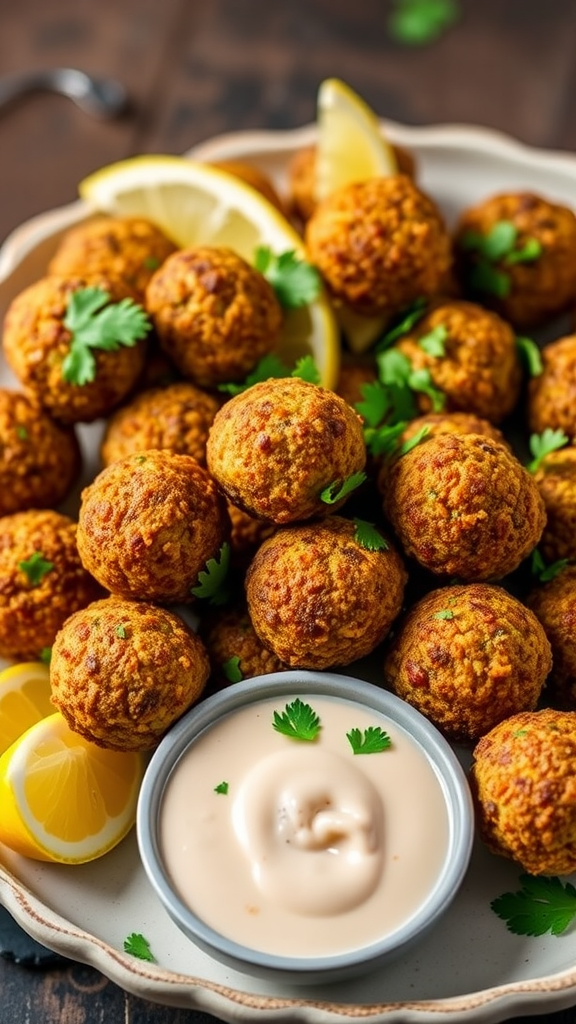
column 197, row 68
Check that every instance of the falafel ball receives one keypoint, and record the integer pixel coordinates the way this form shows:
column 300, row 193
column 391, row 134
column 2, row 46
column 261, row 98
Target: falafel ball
column 354, row 374
column 524, row 783
column 234, row 648
column 554, row 605
column 39, row 459
column 122, row 672
column 42, row 580
column 462, row 505
column 318, row 597
column 551, row 398
column 148, row 525
column 302, row 178
column 276, row 447
column 246, row 535
column 452, row 423
column 127, row 248
column 471, row 355
column 37, row 343
column 379, row 245
column 467, row 657
column 177, row 417
column 531, row 276
column 556, row 481
column 215, row 315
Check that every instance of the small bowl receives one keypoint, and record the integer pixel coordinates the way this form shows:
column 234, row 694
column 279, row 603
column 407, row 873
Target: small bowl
column 410, row 732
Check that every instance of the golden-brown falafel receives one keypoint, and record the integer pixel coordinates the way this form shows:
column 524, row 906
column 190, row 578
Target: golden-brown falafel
column 524, row 782
column 318, row 597
column 554, row 605
column 467, row 657
column 149, row 524
column 276, row 447
column 122, row 672
column 235, row 650
column 551, row 398
column 556, row 481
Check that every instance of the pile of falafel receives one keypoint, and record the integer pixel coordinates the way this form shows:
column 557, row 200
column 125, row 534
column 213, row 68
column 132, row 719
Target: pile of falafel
column 394, row 517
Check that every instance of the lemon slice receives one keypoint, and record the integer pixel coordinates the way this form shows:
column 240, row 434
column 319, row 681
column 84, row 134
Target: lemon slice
column 24, row 699
column 64, row 799
column 197, row 203
column 350, row 146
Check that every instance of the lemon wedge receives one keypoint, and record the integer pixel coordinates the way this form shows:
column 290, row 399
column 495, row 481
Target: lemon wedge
column 64, row 799
column 24, row 699
column 196, row 203
column 351, row 146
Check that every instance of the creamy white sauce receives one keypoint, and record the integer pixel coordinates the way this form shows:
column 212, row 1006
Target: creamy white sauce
column 313, row 850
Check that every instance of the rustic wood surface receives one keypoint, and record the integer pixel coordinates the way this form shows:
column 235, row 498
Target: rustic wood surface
column 194, row 69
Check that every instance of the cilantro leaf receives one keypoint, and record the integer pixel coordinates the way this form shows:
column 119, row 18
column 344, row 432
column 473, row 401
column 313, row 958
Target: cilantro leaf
column 374, row 404
column 433, row 342
column 295, row 281
column 368, row 536
column 530, row 251
column 384, row 440
column 138, row 946
column 445, row 613
column 498, row 246
column 121, row 631
column 231, row 669
column 413, row 441
column 306, row 369
column 416, row 22
column 393, row 367
column 499, row 241
column 212, row 581
column 298, row 720
column 421, row 380
column 222, row 787
column 408, row 319
column 269, row 366
column 338, row 490
column 372, row 741
column 36, row 568
column 544, row 572
column 530, row 356
column 96, row 323
column 543, row 444
column 485, row 278
column 543, row 904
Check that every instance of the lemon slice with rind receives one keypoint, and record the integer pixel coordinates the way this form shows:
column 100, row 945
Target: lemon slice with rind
column 198, row 204
column 64, row 799
column 351, row 146
column 24, row 699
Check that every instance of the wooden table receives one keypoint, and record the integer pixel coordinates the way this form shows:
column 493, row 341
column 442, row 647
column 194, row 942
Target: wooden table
column 194, row 69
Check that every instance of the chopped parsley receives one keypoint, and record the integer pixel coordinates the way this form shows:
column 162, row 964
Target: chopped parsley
column 543, row 904
column 46, row 655
column 121, row 631
column 231, row 669
column 295, row 282
column 421, row 380
column 341, row 489
column 271, row 366
column 372, row 741
column 530, row 356
column 433, row 343
column 406, row 321
column 137, row 945
column 545, row 573
column 412, row 442
column 96, row 323
column 306, row 369
column 212, row 582
column 499, row 246
column 543, row 444
column 222, row 788
column 417, row 22
column 368, row 536
column 36, row 568
column 445, row 613
column 298, row 721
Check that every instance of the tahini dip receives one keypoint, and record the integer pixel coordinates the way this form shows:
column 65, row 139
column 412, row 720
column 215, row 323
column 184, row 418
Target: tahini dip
column 303, row 848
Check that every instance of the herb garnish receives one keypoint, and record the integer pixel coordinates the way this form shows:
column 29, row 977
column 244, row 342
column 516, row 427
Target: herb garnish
column 416, row 22
column 543, row 444
column 530, row 356
column 341, row 489
column 395, row 370
column 46, row 655
column 445, row 613
column 21, row 432
column 298, row 720
column 96, row 323
column 271, row 366
column 406, row 321
column 120, row 631
column 212, row 581
column 138, row 946
column 498, row 246
column 543, row 905
column 412, row 442
column 368, row 536
column 433, row 343
column 544, row 572
column 372, row 741
column 36, row 568
column 295, row 282
column 222, row 787
column 231, row 669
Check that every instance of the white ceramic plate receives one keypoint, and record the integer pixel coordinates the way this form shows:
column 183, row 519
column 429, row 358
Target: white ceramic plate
column 471, row 968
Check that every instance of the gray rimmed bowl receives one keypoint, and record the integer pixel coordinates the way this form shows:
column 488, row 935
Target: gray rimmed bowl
column 284, row 687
